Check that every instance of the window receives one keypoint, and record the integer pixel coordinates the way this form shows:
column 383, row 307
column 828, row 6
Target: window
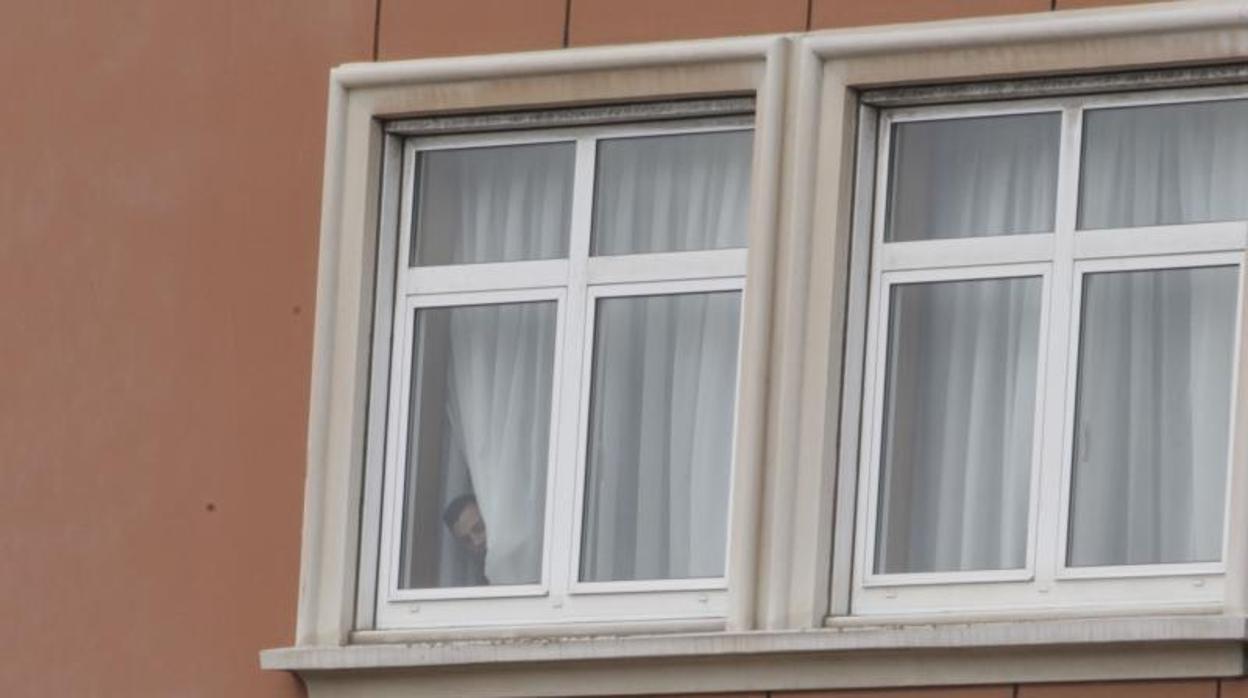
column 1053, row 318
column 563, row 376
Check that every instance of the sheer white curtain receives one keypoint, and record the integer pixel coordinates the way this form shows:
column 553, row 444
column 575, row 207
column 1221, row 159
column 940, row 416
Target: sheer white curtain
column 1150, row 450
column 499, row 204
column 660, row 441
column 665, row 367
column 1154, row 165
column 497, row 361
column 973, row 177
column 960, row 391
column 958, row 423
column 499, row 382
column 672, row 193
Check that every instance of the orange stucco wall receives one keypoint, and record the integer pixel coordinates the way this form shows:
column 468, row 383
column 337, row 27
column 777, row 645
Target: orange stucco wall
column 160, row 166
column 160, row 169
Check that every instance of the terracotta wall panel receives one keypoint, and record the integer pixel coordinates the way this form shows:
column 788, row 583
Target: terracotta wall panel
column 1234, row 688
column 418, row 28
column 827, row 14
column 159, row 205
column 952, row 692
column 613, row 22
column 1123, row 689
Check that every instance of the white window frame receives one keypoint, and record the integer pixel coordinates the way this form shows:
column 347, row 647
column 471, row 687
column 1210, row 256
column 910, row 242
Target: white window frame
column 1061, row 258
column 574, row 283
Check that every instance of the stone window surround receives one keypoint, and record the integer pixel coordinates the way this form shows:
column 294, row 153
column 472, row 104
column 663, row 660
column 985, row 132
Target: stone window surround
column 786, row 608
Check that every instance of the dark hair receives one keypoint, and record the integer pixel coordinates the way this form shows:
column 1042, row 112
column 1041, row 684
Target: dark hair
column 452, row 511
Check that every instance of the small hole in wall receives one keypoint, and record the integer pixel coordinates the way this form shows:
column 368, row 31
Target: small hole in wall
column 210, row 507
column 296, row 310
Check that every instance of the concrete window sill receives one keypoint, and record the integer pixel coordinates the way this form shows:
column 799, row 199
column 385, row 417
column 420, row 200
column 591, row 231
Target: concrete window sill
column 851, row 656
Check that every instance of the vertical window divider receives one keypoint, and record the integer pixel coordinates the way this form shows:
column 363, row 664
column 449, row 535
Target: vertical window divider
column 391, row 522
column 1235, row 547
column 387, row 267
column 876, row 302
column 576, row 314
column 852, row 405
column 1057, row 402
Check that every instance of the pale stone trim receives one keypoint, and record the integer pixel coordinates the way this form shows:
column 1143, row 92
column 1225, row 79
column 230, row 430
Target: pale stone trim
column 937, row 654
column 832, row 68
column 361, row 95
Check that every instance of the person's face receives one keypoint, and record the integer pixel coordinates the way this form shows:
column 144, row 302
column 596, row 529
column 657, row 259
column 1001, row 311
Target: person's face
column 469, row 529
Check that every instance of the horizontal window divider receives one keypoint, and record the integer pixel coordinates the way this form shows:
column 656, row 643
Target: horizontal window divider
column 1161, row 261
column 707, row 264
column 1198, row 611
column 485, row 297
column 947, row 578
column 559, row 608
column 524, row 632
column 967, row 252
column 485, row 277
column 1192, row 569
column 466, row 593
column 642, row 586
column 967, row 273
column 1161, row 240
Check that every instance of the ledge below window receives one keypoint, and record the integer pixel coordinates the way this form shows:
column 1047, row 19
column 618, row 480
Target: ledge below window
column 1093, row 649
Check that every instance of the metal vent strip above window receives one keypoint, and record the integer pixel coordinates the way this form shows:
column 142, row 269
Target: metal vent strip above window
column 575, row 116
column 1057, row 86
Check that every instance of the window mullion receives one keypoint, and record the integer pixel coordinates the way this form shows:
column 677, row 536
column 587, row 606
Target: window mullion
column 1050, row 528
column 391, row 503
column 569, row 408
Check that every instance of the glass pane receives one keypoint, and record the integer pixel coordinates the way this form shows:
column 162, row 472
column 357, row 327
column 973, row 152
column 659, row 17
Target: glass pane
column 501, row 204
column 959, row 414
column 672, row 193
column 660, row 437
column 960, row 178
column 1164, row 164
column 1152, row 414
column 478, row 445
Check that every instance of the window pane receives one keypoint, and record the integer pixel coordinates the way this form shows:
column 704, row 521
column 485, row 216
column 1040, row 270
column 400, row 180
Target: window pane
column 479, row 432
column 660, row 437
column 1152, row 416
column 958, row 420
column 958, row 178
column 1163, row 164
column 672, row 193
column 500, row 204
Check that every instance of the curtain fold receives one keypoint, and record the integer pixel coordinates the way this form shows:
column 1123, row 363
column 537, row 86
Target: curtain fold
column 663, row 394
column 958, row 425
column 1152, row 420
column 957, row 178
column 490, row 367
column 498, row 204
column 672, row 193
column 1151, row 430
column 660, row 440
column 500, row 376
column 1164, row 164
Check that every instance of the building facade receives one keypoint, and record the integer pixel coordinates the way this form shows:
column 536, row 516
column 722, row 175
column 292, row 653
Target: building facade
column 587, row 347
